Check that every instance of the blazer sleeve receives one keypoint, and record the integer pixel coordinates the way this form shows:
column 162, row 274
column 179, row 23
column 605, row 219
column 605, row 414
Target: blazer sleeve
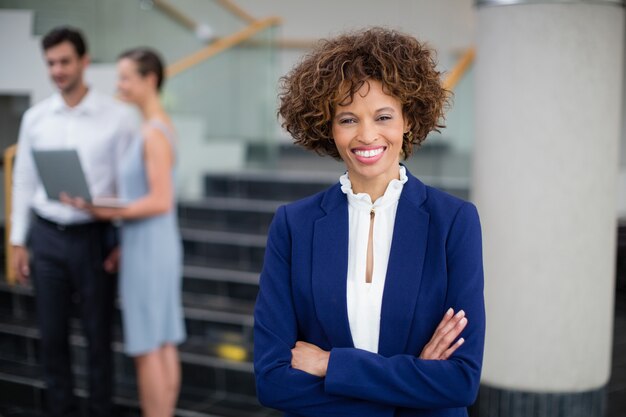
column 275, row 334
column 407, row 381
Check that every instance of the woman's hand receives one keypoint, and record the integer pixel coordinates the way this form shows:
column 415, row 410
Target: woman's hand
column 112, row 262
column 102, row 213
column 76, row 202
column 310, row 359
column 441, row 346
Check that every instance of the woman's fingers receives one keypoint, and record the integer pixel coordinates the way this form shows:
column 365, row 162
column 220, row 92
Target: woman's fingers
column 76, row 202
column 111, row 263
column 429, row 350
column 451, row 335
column 80, row 203
column 446, row 318
column 452, row 349
column 446, row 333
column 309, row 358
column 449, row 325
column 446, row 329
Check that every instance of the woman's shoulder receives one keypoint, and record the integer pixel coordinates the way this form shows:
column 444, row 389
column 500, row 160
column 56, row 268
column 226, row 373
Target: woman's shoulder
column 447, row 210
column 442, row 206
column 430, row 198
column 443, row 199
column 158, row 127
column 313, row 202
column 309, row 209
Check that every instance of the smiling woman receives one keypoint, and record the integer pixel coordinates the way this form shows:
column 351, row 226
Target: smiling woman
column 371, row 294
column 332, row 74
column 368, row 133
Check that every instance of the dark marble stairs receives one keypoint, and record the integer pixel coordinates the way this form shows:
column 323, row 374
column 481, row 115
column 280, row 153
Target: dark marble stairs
column 224, row 239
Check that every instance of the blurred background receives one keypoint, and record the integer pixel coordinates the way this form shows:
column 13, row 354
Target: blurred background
column 524, row 74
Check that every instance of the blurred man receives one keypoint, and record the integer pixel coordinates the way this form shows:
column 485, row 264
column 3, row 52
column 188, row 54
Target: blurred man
column 61, row 249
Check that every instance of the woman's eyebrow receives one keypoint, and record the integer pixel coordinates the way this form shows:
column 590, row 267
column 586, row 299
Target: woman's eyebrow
column 344, row 113
column 382, row 109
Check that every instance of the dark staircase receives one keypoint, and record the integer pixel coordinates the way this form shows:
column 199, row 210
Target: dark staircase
column 224, row 239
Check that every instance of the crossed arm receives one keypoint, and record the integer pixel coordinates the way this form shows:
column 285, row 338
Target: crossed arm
column 311, row 359
column 298, row 377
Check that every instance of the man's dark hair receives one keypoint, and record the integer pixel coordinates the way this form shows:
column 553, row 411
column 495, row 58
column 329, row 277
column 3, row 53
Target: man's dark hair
column 65, row 34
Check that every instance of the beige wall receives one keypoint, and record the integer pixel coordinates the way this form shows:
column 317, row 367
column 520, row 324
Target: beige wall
column 447, row 24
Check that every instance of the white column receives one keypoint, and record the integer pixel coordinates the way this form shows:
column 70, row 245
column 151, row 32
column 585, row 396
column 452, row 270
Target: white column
column 548, row 117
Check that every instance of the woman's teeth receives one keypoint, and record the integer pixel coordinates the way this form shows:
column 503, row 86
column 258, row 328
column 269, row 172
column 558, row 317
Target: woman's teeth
column 368, row 153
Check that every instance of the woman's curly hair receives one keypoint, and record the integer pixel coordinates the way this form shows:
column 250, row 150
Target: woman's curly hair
column 333, row 72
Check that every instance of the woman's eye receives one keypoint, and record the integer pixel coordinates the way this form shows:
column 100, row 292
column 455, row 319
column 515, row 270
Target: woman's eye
column 347, row 121
column 384, row 117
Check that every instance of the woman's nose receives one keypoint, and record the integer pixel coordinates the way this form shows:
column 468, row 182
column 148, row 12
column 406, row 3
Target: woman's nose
column 367, row 133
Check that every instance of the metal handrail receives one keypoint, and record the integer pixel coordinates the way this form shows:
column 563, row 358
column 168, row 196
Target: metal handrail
column 229, row 5
column 8, row 158
column 459, row 69
column 232, row 7
column 221, row 45
column 176, row 14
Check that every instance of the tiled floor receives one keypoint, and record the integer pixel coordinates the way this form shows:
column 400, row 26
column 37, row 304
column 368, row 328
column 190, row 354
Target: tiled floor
column 617, row 385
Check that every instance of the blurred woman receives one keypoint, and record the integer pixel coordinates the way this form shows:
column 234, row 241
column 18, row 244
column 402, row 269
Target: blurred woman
column 151, row 251
column 371, row 294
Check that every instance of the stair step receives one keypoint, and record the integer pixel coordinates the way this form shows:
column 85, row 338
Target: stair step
column 227, row 250
column 212, row 318
column 224, row 284
column 229, row 238
column 21, row 385
column 196, row 350
column 221, row 275
column 295, row 184
column 228, row 214
column 268, row 185
column 196, row 304
column 207, row 366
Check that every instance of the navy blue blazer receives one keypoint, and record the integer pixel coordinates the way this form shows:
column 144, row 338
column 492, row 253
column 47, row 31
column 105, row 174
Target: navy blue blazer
column 435, row 263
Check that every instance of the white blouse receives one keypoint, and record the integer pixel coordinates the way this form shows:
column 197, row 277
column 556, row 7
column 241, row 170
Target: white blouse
column 364, row 300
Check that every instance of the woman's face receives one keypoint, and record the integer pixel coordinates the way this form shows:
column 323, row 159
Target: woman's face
column 368, row 134
column 131, row 85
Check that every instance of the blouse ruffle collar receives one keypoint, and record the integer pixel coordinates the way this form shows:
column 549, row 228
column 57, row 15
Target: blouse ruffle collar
column 363, row 200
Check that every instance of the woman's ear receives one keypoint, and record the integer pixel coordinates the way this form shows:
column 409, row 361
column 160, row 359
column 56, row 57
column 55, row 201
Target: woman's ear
column 406, row 122
column 152, row 78
column 407, row 125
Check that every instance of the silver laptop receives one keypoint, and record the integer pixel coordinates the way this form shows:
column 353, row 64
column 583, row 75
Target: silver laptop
column 60, row 171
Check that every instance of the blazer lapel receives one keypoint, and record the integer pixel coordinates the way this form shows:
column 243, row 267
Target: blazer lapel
column 404, row 270
column 330, row 268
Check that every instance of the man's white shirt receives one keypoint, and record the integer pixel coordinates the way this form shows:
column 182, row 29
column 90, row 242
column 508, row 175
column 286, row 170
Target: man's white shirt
column 100, row 128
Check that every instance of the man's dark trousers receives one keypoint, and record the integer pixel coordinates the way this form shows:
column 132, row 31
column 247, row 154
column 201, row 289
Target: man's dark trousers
column 67, row 266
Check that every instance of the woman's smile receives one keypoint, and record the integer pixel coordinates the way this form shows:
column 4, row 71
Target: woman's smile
column 369, row 155
column 368, row 132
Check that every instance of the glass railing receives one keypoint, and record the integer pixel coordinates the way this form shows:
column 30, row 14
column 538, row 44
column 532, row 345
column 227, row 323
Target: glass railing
column 220, row 106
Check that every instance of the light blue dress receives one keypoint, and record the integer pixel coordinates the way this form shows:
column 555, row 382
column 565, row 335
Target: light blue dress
column 150, row 264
